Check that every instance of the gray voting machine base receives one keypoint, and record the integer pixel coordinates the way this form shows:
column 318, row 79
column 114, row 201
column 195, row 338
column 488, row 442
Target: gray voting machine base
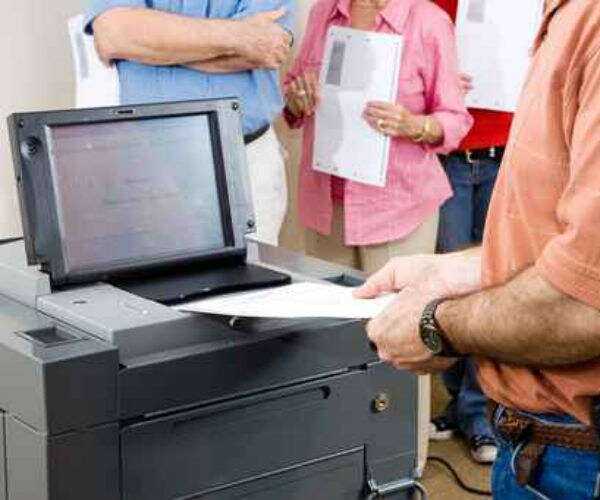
column 199, row 409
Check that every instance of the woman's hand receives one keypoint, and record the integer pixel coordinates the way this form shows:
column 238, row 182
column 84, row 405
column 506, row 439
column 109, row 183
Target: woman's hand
column 393, row 120
column 303, row 94
column 466, row 83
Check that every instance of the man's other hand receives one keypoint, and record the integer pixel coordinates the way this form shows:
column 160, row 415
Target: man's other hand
column 260, row 40
column 436, row 275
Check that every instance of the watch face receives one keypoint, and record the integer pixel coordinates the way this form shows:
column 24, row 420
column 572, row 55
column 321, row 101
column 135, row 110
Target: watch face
column 432, row 339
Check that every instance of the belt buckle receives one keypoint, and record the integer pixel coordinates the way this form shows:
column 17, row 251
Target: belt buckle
column 469, row 156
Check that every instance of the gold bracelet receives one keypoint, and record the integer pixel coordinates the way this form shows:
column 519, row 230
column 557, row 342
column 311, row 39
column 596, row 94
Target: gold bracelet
column 422, row 137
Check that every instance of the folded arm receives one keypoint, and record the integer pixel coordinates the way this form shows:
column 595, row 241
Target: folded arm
column 161, row 38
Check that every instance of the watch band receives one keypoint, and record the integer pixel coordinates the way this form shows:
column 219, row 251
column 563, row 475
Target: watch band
column 429, row 327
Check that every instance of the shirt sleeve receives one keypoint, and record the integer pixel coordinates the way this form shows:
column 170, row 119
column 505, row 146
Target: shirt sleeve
column 251, row 7
column 93, row 8
column 571, row 261
column 444, row 96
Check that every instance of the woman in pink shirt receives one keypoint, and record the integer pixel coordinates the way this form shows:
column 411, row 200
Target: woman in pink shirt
column 358, row 224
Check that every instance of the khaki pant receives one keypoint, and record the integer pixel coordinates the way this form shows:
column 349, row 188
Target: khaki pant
column 266, row 170
column 370, row 259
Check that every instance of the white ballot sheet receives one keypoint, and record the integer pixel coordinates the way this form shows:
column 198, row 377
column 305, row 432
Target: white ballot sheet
column 96, row 83
column 358, row 66
column 494, row 42
column 299, row 300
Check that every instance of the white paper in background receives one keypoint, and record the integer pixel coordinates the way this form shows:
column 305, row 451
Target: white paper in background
column 494, row 42
column 358, row 66
column 96, row 83
column 299, row 300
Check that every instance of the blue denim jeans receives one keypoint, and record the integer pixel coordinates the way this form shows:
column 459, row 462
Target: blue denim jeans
column 462, row 217
column 562, row 473
column 462, row 220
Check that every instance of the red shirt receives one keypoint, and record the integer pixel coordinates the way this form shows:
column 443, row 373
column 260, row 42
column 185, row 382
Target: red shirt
column 491, row 127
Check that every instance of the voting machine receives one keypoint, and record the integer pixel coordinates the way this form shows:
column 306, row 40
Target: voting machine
column 109, row 393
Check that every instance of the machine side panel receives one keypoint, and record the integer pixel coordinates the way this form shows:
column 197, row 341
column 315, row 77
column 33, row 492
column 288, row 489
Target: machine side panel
column 85, row 465
column 82, row 391
column 26, row 462
column 54, row 377
column 76, row 466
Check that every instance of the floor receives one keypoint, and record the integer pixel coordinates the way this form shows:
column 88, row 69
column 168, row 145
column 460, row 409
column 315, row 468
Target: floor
column 437, row 480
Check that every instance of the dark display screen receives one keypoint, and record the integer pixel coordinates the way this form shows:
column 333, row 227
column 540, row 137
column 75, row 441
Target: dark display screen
column 135, row 191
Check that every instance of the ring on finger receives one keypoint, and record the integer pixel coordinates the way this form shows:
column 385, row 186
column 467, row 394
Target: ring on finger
column 381, row 124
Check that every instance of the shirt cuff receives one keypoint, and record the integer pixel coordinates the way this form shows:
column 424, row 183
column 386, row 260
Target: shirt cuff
column 569, row 275
column 455, row 128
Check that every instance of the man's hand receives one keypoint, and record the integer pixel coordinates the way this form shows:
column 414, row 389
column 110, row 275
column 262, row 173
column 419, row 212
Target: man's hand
column 418, row 279
column 395, row 333
column 262, row 42
column 446, row 275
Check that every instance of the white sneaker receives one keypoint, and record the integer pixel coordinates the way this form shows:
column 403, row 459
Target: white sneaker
column 484, row 450
column 440, row 429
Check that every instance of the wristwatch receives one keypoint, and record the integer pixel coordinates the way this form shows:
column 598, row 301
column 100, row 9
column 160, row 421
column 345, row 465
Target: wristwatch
column 432, row 334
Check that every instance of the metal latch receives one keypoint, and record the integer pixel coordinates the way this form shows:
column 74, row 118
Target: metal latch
column 384, row 490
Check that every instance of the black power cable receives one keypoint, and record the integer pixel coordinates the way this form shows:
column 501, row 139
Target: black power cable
column 457, row 478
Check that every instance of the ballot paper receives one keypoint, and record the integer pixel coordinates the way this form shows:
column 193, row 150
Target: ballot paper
column 96, row 83
column 495, row 38
column 299, row 300
column 358, row 66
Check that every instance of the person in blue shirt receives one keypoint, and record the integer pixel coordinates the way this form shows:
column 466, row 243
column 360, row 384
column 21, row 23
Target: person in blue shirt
column 174, row 50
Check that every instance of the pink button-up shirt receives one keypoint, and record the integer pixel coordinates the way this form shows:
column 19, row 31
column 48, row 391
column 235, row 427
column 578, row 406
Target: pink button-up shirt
column 429, row 84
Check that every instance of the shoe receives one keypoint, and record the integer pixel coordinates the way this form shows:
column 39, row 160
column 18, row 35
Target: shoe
column 484, row 449
column 441, row 429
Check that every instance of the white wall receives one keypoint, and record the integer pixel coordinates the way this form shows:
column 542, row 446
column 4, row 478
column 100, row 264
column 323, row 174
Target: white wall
column 35, row 74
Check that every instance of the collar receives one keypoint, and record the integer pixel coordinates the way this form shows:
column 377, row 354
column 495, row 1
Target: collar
column 551, row 8
column 395, row 13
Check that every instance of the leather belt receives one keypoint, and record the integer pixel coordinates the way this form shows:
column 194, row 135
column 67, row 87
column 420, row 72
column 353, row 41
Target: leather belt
column 257, row 134
column 473, row 155
column 516, row 427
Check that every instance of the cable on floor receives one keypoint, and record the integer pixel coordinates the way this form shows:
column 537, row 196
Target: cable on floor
column 422, row 490
column 458, row 479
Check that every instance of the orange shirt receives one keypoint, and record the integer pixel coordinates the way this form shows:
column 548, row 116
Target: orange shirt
column 545, row 210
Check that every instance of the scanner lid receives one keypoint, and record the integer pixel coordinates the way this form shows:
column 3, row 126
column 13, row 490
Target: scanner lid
column 112, row 191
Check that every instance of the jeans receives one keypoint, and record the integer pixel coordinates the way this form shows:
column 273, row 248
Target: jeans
column 561, row 473
column 462, row 220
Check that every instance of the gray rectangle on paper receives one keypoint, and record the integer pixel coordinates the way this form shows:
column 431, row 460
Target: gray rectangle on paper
column 336, row 63
column 476, row 12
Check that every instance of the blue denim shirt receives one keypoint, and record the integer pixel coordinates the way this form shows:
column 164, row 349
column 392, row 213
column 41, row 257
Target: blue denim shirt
column 258, row 91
